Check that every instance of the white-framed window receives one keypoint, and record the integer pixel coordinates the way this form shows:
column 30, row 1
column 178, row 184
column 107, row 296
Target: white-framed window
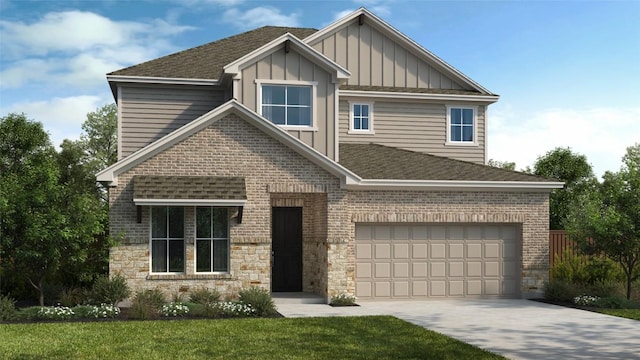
column 212, row 240
column 167, row 239
column 462, row 125
column 289, row 104
column 360, row 118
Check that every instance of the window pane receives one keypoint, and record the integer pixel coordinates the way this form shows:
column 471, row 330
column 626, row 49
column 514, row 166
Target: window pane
column 467, row 133
column 272, row 94
column 365, row 124
column 203, row 222
column 203, row 255
column 356, row 110
column 176, row 255
column 456, row 116
column 274, row 113
column 220, row 255
column 467, row 116
column 158, row 255
column 455, row 133
column 299, row 95
column 176, row 222
column 158, row 222
column 299, row 116
column 365, row 110
column 220, row 223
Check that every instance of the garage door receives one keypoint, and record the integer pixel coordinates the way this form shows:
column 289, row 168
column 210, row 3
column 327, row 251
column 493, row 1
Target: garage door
column 436, row 261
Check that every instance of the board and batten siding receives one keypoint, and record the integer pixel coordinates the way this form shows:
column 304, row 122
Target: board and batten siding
column 374, row 59
column 148, row 113
column 415, row 126
column 294, row 67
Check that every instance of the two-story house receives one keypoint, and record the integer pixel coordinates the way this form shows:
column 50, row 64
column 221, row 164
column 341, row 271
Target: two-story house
column 343, row 159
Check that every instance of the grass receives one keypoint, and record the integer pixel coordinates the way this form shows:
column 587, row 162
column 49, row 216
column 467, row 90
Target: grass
column 371, row 337
column 633, row 314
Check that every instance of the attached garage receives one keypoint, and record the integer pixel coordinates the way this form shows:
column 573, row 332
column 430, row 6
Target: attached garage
column 437, row 260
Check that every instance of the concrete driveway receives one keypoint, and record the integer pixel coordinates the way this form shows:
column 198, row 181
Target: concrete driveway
column 516, row 329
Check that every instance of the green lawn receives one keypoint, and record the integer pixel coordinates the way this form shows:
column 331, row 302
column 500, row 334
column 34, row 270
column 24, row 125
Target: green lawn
column 625, row 313
column 372, row 337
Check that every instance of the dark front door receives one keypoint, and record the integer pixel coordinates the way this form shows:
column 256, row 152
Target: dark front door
column 286, row 267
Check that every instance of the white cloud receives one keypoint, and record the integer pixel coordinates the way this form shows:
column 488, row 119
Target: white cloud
column 76, row 48
column 339, row 15
column 62, row 117
column 260, row 16
column 602, row 134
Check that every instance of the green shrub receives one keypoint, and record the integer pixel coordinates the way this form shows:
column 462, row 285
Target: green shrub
column 584, row 269
column 562, row 290
column 343, row 299
column 147, row 304
column 54, row 313
column 174, row 309
column 70, row 297
column 259, row 299
column 7, row 308
column 28, row 313
column 96, row 312
column 616, row 302
column 110, row 290
column 205, row 296
column 235, row 309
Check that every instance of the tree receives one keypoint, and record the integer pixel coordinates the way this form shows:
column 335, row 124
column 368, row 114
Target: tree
column 607, row 221
column 502, row 164
column 100, row 138
column 574, row 170
column 50, row 214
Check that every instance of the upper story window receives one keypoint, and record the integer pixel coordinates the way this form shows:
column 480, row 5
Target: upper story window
column 212, row 239
column 287, row 104
column 360, row 118
column 167, row 239
column 461, row 125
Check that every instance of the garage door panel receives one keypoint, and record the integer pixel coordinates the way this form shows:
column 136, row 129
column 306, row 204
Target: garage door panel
column 437, row 260
column 438, row 269
column 456, row 251
column 401, row 289
column 419, row 269
column 382, row 251
column 401, row 251
column 382, row 270
column 401, row 270
column 363, row 251
column 438, row 251
column 419, row 288
column 456, row 269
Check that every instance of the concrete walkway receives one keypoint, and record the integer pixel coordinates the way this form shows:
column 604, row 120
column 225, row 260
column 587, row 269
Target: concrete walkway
column 516, row 329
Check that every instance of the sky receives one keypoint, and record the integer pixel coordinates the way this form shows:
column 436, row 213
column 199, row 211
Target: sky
column 567, row 72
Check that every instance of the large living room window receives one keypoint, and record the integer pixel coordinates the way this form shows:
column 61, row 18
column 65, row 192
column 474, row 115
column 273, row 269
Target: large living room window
column 461, row 125
column 167, row 239
column 212, row 240
column 287, row 104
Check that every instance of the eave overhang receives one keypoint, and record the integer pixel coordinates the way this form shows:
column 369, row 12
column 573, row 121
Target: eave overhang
column 448, row 185
column 489, row 99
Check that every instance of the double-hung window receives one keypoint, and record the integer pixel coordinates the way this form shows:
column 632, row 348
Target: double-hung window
column 289, row 105
column 212, row 239
column 167, row 239
column 360, row 118
column 461, row 125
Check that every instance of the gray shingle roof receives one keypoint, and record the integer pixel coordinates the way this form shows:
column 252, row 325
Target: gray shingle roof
column 189, row 187
column 373, row 161
column 206, row 61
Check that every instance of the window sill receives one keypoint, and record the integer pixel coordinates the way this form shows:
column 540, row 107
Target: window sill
column 359, row 132
column 189, row 277
column 298, row 127
column 461, row 143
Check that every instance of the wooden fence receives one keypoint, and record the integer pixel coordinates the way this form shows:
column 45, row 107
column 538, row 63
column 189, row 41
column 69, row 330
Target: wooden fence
column 559, row 246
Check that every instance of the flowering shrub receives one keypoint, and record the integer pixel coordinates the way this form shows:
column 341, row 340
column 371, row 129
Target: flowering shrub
column 104, row 311
column 174, row 309
column 54, row 313
column 343, row 298
column 231, row 308
column 586, row 300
